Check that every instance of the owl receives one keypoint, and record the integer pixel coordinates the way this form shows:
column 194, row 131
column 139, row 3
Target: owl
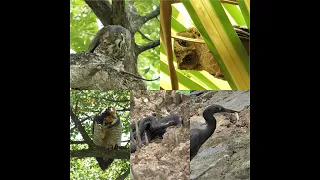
column 197, row 56
column 106, row 131
column 112, row 40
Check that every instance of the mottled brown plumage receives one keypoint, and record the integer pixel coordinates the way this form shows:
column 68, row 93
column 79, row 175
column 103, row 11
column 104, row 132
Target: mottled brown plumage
column 197, row 56
column 111, row 40
column 106, row 131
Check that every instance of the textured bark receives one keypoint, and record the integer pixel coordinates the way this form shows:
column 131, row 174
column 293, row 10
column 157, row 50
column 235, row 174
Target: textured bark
column 88, row 71
column 102, row 9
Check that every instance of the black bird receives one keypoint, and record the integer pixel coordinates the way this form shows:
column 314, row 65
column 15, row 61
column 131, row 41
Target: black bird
column 199, row 136
column 152, row 128
column 160, row 129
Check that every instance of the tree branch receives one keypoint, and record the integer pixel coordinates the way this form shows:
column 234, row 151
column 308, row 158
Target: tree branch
column 147, row 46
column 144, row 36
column 78, row 142
column 90, row 71
column 151, row 15
column 118, row 12
column 124, row 175
column 96, row 151
column 83, row 142
column 89, row 117
column 102, row 9
column 124, row 109
column 141, row 20
column 126, row 100
column 80, row 128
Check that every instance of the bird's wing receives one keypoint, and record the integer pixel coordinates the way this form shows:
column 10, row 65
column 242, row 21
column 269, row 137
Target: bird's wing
column 96, row 40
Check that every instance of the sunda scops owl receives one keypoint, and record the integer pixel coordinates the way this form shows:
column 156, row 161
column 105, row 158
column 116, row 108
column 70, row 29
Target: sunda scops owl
column 111, row 40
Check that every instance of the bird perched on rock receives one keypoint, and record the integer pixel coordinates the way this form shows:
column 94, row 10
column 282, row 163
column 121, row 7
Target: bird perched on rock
column 199, row 136
column 111, row 40
column 106, row 130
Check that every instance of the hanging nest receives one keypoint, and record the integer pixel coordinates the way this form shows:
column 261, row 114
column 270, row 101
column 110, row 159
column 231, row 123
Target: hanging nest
column 193, row 54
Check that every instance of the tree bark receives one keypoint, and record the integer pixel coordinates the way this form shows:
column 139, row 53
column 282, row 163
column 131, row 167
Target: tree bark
column 96, row 151
column 88, row 71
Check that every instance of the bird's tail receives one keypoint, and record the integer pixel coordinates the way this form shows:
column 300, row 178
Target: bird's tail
column 104, row 164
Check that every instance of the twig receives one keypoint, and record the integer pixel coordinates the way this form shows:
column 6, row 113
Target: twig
column 124, row 109
column 124, row 175
column 188, row 39
column 151, row 15
column 144, row 36
column 125, row 100
column 80, row 128
column 89, row 117
column 141, row 20
column 147, row 46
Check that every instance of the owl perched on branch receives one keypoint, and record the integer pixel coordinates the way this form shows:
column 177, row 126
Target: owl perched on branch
column 111, row 40
column 106, row 130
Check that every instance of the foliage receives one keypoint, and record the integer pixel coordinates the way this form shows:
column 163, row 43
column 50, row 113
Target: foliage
column 84, row 26
column 185, row 16
column 148, row 61
column 86, row 104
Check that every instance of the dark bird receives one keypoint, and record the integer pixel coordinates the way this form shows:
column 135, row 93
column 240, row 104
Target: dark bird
column 150, row 128
column 199, row 136
column 106, row 131
column 160, row 129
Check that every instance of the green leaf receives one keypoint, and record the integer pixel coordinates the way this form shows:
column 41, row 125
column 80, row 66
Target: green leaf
column 215, row 27
column 235, row 13
column 245, row 9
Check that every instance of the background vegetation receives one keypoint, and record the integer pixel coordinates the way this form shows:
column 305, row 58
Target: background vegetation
column 86, row 104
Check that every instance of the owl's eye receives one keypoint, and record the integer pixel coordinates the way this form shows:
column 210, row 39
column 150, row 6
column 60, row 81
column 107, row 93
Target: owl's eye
column 115, row 34
column 182, row 43
column 124, row 34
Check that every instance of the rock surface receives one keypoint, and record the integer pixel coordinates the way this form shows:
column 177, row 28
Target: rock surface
column 166, row 158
